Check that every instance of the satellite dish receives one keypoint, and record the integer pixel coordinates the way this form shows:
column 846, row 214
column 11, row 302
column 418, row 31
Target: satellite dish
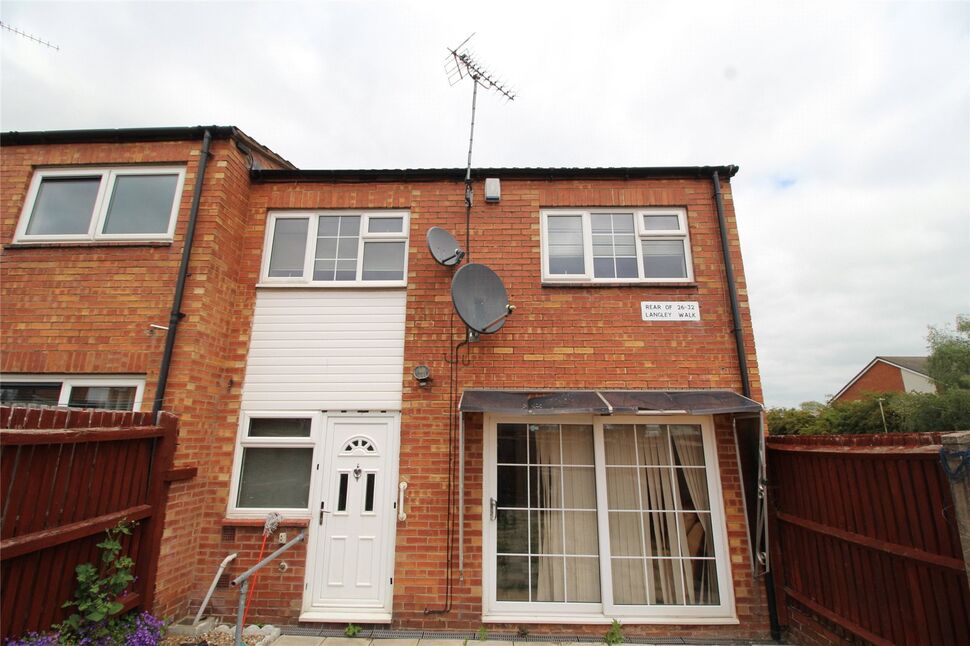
column 480, row 298
column 444, row 248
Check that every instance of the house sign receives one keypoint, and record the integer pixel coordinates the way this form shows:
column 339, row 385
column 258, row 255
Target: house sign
column 670, row 311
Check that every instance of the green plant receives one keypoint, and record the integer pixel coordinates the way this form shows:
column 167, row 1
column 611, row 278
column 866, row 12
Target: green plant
column 614, row 635
column 482, row 634
column 352, row 630
column 98, row 589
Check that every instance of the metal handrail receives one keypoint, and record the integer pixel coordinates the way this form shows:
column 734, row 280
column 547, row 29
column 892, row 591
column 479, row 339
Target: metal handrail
column 244, row 580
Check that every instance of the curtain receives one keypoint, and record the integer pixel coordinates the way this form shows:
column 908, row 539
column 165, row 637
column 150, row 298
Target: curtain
column 664, row 536
column 701, row 575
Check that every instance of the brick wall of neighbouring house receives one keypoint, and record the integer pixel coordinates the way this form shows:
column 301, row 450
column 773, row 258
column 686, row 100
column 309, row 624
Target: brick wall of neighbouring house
column 880, row 378
column 87, row 309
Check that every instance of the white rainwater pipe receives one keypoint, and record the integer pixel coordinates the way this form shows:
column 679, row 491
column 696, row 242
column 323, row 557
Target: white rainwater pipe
column 212, row 588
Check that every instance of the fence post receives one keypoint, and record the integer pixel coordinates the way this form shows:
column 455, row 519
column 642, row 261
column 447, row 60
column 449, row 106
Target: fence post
column 956, row 462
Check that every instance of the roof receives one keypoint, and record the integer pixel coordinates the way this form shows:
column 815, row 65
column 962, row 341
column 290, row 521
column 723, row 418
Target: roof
column 293, row 174
column 606, row 402
column 913, row 364
column 130, row 135
column 523, row 173
column 916, row 364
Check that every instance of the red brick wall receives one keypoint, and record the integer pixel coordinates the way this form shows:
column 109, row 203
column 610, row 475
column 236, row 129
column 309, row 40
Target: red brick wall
column 560, row 337
column 880, row 378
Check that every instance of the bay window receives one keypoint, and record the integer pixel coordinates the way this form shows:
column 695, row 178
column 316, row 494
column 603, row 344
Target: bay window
column 590, row 519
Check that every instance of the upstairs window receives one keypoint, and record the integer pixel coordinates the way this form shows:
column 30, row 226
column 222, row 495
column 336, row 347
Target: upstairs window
column 336, row 248
column 616, row 245
column 102, row 204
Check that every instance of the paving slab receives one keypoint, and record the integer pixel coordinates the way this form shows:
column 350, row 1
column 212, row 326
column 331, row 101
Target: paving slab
column 442, row 642
column 345, row 641
column 298, row 640
column 377, row 641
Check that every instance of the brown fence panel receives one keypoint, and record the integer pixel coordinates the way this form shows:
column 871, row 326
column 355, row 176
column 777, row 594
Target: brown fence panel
column 867, row 537
column 66, row 477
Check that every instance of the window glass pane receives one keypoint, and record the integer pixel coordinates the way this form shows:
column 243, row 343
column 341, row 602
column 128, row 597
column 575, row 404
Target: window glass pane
column 581, row 533
column 688, row 445
column 546, row 486
column 698, row 541
column 565, row 244
column 629, row 582
column 141, row 204
column 620, row 447
column 512, row 578
column 626, row 534
column 513, row 443
column 385, row 225
column 289, row 247
column 701, row 578
column 664, row 259
column 577, row 444
column 63, row 206
column 369, row 492
column 513, row 487
column 342, row 492
column 579, row 488
column 548, row 578
column 657, row 489
column 512, row 531
column 661, row 222
column 622, row 488
column 107, row 397
column 614, row 252
column 349, row 225
column 544, row 443
column 383, row 261
column 668, row 581
column 277, row 427
column 275, row 478
column 545, row 531
column 30, row 394
column 653, row 445
column 328, row 225
column 582, row 580
column 661, row 532
column 692, row 489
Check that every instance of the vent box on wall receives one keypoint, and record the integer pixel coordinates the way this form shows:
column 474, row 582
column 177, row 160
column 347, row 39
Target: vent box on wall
column 493, row 189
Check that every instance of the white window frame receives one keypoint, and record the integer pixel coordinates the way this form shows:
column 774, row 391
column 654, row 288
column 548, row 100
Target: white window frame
column 107, row 175
column 604, row 612
column 313, row 216
column 69, row 382
column 641, row 233
column 243, row 441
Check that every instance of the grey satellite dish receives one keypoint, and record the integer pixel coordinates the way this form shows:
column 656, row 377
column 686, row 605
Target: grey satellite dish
column 480, row 298
column 444, row 248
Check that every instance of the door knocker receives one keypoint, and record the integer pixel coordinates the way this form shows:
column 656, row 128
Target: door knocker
column 357, row 473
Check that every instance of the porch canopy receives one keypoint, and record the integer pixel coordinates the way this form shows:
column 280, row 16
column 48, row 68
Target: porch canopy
column 606, row 402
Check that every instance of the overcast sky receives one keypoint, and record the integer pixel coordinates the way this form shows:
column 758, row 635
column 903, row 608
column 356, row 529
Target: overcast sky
column 850, row 122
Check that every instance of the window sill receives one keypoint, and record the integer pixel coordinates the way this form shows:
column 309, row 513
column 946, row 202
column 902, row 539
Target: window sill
column 587, row 284
column 347, row 285
column 680, row 620
column 260, row 522
column 77, row 243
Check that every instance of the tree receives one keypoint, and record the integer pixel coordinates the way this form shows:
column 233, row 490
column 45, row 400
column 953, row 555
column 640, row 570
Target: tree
column 949, row 360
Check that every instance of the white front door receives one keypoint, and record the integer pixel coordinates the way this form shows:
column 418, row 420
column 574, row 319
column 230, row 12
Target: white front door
column 352, row 530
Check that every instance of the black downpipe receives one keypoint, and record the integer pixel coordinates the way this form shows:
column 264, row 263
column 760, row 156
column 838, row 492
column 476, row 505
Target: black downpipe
column 743, row 366
column 176, row 314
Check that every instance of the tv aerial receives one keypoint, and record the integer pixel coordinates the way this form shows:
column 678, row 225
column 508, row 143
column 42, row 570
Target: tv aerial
column 444, row 248
column 462, row 63
column 480, row 300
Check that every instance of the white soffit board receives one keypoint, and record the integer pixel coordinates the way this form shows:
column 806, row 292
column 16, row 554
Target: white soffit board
column 317, row 349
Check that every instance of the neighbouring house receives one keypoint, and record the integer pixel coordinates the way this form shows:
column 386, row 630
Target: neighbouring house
column 888, row 375
column 591, row 460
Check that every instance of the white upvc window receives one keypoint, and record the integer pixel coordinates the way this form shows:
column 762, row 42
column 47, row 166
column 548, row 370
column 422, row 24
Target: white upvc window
column 336, row 248
column 275, row 454
column 114, row 392
column 587, row 519
column 616, row 245
column 130, row 203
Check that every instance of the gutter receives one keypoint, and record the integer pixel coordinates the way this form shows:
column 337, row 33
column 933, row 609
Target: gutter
column 743, row 367
column 176, row 314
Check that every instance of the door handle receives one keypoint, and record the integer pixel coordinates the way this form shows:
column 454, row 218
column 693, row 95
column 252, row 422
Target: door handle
column 400, row 501
column 492, row 507
column 322, row 512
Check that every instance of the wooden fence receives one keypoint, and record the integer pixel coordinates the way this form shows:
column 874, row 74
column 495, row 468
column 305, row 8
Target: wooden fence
column 864, row 537
column 66, row 477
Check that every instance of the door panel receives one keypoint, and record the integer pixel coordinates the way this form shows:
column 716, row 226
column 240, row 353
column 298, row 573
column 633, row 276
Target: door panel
column 352, row 550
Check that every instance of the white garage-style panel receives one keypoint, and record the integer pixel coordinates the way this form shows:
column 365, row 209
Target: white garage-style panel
column 316, row 349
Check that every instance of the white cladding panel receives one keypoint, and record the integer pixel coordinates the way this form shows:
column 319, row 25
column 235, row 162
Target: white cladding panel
column 315, row 349
column 914, row 382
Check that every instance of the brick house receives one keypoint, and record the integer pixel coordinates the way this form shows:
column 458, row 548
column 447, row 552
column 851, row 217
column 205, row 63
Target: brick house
column 888, row 375
column 586, row 462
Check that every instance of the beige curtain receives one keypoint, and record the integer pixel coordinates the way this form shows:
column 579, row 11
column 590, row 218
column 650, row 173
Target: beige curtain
column 701, row 575
column 665, row 582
